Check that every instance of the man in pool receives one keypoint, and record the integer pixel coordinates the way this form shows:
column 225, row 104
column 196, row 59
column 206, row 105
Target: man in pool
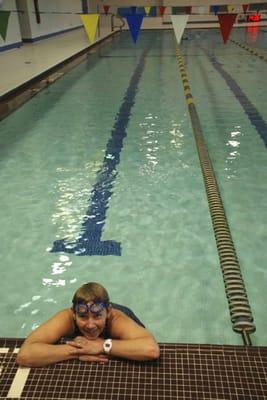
column 97, row 330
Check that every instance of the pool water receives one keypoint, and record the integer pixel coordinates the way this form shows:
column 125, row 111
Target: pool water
column 147, row 194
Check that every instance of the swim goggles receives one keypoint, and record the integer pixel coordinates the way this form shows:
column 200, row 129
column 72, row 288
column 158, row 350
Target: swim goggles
column 95, row 308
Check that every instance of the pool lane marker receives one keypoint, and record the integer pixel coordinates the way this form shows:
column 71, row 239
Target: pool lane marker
column 4, row 350
column 18, row 383
column 250, row 50
column 239, row 308
column 89, row 242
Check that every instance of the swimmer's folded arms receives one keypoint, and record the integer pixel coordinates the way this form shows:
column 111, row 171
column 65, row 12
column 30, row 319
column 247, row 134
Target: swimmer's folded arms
column 97, row 330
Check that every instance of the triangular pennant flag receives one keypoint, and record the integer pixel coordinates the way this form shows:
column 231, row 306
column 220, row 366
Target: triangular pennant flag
column 106, row 9
column 245, row 7
column 133, row 8
column 188, row 10
column 90, row 22
column 147, row 9
column 179, row 23
column 4, row 17
column 162, row 10
column 216, row 9
column 230, row 8
column 226, row 22
column 134, row 23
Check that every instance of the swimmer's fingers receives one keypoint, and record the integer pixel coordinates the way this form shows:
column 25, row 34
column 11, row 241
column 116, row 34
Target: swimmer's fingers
column 101, row 359
column 77, row 345
column 83, row 351
column 77, row 351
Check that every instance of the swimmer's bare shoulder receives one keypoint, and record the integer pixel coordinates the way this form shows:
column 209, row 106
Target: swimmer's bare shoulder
column 120, row 326
column 61, row 324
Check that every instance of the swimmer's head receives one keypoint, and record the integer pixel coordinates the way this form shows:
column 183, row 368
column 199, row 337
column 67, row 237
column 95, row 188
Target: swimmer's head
column 91, row 308
column 90, row 292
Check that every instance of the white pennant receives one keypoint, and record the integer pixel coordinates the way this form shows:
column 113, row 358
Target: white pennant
column 179, row 23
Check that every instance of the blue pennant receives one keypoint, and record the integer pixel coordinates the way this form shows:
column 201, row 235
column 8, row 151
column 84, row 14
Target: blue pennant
column 134, row 23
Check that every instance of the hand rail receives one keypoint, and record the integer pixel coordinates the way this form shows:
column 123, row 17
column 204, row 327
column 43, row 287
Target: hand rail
column 112, row 22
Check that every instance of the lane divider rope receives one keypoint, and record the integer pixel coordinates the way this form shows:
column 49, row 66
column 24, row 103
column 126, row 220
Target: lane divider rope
column 250, row 50
column 240, row 311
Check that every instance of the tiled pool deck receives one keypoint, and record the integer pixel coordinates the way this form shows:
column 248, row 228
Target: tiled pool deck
column 182, row 372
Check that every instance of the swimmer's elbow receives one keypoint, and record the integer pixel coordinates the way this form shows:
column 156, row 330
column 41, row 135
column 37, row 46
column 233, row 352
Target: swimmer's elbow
column 154, row 352
column 22, row 360
column 27, row 358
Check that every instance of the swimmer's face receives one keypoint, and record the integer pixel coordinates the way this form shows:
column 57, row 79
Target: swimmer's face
column 91, row 319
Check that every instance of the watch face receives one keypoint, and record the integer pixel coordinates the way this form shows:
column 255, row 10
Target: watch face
column 107, row 345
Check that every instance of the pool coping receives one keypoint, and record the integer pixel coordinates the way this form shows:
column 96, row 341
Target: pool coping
column 17, row 96
column 184, row 371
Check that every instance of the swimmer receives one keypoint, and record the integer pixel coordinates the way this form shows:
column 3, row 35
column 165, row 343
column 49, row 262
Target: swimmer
column 94, row 330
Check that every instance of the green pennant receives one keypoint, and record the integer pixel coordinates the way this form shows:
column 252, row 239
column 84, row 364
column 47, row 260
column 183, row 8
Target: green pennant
column 4, row 16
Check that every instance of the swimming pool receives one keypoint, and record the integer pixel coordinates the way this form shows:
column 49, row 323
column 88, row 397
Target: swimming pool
column 108, row 150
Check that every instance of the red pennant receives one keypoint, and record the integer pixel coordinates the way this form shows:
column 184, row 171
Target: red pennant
column 162, row 10
column 188, row 10
column 226, row 22
column 245, row 7
column 106, row 9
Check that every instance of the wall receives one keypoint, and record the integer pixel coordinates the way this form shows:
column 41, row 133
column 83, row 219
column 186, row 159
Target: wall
column 104, row 20
column 13, row 38
column 141, row 3
column 62, row 15
column 56, row 16
column 200, row 17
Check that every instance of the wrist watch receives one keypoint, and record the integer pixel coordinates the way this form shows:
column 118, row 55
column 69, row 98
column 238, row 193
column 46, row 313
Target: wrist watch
column 107, row 345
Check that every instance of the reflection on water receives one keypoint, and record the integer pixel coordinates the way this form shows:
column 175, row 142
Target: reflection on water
column 252, row 32
column 152, row 146
column 73, row 198
column 149, row 144
column 233, row 145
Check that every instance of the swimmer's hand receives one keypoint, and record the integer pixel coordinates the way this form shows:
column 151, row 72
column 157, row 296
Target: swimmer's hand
column 101, row 359
column 88, row 350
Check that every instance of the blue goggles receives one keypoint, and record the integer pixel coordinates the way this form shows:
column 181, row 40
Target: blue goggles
column 95, row 308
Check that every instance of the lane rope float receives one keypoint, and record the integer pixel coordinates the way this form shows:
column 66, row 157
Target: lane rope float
column 250, row 50
column 238, row 303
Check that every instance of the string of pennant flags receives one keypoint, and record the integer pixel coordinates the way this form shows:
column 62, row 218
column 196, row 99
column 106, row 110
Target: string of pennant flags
column 135, row 19
column 90, row 22
column 188, row 9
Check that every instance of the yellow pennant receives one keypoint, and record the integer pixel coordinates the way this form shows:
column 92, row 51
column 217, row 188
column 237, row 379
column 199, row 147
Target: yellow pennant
column 147, row 10
column 230, row 8
column 90, row 22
